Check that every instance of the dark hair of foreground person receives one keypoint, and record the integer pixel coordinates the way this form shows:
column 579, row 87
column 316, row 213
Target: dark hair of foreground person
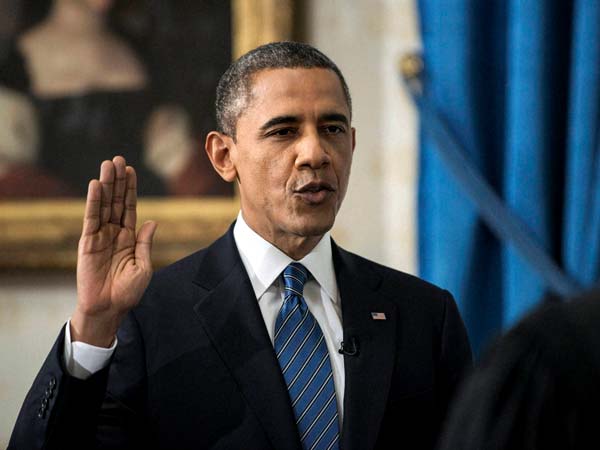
column 539, row 386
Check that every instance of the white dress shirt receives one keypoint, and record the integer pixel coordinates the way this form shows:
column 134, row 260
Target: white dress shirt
column 264, row 264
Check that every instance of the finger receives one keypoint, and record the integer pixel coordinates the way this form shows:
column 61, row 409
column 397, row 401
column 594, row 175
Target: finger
column 107, row 180
column 118, row 193
column 143, row 246
column 91, row 217
column 130, row 213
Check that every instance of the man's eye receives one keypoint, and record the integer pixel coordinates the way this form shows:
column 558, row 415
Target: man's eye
column 282, row 132
column 334, row 129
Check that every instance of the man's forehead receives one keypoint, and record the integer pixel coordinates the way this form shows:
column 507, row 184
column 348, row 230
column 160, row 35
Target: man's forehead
column 281, row 84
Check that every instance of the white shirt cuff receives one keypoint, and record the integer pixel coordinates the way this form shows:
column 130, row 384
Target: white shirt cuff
column 83, row 360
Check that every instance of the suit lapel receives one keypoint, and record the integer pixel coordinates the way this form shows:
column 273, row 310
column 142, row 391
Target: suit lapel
column 368, row 374
column 231, row 317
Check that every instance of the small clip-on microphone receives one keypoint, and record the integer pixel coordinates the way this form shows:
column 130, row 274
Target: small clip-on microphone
column 349, row 347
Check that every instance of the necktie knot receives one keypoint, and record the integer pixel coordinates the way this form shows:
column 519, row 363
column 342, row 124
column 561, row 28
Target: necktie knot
column 294, row 278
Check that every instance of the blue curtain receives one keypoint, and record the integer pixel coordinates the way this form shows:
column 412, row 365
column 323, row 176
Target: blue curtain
column 513, row 88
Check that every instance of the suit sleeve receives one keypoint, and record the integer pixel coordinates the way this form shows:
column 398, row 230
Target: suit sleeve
column 455, row 356
column 63, row 412
column 52, row 401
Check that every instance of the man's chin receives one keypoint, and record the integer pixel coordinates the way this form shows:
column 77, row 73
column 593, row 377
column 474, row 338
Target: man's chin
column 313, row 226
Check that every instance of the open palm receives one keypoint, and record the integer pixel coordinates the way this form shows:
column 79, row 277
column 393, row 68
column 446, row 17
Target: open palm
column 113, row 265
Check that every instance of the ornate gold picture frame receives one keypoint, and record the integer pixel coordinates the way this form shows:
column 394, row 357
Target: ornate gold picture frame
column 36, row 234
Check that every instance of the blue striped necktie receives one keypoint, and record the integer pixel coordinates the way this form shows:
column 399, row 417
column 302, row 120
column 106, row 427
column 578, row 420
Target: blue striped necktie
column 304, row 361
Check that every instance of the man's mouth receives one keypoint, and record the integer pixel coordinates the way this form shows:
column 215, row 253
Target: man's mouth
column 314, row 192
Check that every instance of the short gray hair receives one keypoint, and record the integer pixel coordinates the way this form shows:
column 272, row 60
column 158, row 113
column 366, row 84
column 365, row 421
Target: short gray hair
column 233, row 90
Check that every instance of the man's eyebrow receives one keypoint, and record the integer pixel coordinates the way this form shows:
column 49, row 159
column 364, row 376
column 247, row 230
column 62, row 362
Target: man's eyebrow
column 335, row 117
column 278, row 120
column 327, row 117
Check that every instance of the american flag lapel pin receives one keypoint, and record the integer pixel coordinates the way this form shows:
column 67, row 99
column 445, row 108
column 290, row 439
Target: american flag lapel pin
column 378, row 316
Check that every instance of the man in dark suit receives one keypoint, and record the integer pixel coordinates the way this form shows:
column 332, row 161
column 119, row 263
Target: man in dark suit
column 271, row 338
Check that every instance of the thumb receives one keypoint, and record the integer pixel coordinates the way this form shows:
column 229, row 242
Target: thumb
column 143, row 245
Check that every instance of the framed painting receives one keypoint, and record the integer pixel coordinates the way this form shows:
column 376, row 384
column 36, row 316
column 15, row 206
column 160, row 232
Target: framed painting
column 40, row 218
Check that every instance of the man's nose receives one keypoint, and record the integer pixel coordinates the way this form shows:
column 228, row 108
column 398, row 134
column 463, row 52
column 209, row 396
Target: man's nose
column 312, row 152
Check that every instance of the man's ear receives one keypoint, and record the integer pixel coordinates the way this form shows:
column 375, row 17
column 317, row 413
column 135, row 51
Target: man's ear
column 218, row 148
column 353, row 139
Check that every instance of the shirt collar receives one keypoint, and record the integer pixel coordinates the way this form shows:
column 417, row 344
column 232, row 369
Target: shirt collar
column 264, row 262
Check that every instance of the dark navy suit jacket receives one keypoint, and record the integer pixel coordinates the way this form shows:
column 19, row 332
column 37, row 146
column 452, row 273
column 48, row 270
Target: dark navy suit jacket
column 195, row 368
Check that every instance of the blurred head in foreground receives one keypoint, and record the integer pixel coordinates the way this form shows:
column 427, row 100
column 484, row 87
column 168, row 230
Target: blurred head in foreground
column 539, row 387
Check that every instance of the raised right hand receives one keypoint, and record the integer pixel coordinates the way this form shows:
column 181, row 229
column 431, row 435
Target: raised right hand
column 113, row 263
